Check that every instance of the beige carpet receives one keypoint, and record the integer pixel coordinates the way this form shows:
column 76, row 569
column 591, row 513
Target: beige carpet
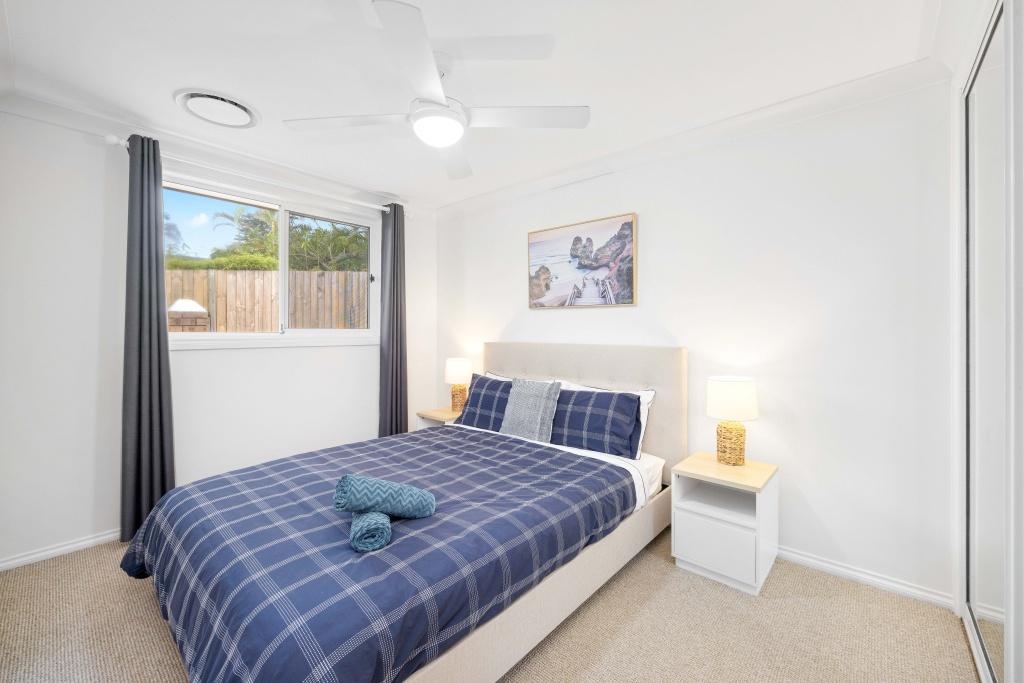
column 992, row 635
column 79, row 618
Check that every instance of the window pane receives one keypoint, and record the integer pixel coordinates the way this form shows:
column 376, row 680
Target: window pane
column 220, row 264
column 328, row 273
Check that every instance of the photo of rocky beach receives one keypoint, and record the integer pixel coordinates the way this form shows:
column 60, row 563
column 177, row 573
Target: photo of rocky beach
column 584, row 264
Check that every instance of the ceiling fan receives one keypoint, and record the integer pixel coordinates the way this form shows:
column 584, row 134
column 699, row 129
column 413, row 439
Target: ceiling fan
column 436, row 119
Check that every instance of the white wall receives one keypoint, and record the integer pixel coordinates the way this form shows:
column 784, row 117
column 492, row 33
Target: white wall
column 64, row 199
column 239, row 407
column 421, row 310
column 813, row 256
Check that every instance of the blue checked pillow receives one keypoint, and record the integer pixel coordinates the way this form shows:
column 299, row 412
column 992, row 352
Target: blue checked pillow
column 485, row 404
column 603, row 421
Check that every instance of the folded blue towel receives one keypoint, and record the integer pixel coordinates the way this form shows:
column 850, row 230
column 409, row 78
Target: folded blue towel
column 370, row 531
column 355, row 493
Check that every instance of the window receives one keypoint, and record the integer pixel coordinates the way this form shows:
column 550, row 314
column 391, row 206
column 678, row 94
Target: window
column 220, row 264
column 224, row 269
column 328, row 273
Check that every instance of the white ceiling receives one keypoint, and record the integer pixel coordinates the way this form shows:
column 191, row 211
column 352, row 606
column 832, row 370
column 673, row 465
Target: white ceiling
column 647, row 68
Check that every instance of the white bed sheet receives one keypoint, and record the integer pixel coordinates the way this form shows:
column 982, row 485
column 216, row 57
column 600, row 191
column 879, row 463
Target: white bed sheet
column 646, row 470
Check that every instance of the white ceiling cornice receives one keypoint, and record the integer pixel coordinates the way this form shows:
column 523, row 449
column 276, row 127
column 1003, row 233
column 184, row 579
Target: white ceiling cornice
column 889, row 83
column 203, row 153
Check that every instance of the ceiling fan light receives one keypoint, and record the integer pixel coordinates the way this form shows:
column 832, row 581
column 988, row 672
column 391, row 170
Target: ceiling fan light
column 438, row 129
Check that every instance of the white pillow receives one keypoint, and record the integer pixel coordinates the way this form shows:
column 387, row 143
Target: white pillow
column 646, row 399
column 501, row 377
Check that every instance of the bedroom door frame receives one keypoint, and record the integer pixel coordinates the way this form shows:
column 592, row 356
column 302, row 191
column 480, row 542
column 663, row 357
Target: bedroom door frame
column 1011, row 15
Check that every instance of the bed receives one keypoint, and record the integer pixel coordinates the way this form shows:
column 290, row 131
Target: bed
column 255, row 577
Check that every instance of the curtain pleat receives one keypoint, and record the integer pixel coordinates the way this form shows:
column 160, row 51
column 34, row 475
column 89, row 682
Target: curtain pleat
column 394, row 400
column 147, row 441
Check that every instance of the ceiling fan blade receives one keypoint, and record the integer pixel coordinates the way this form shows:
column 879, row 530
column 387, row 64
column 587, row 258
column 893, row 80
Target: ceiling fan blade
column 529, row 117
column 405, row 37
column 497, row 47
column 455, row 162
column 333, row 122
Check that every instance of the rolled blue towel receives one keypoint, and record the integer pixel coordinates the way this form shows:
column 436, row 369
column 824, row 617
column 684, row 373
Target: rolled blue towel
column 370, row 531
column 355, row 493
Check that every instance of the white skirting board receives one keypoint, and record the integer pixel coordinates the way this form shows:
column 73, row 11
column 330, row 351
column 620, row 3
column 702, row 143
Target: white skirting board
column 58, row 549
column 867, row 577
column 989, row 613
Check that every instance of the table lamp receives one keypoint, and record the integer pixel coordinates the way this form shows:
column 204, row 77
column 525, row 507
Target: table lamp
column 458, row 372
column 732, row 400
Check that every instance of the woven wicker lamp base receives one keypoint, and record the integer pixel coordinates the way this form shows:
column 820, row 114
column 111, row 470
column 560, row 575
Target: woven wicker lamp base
column 732, row 441
column 459, row 393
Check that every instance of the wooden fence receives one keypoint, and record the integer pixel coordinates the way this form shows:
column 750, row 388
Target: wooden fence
column 249, row 300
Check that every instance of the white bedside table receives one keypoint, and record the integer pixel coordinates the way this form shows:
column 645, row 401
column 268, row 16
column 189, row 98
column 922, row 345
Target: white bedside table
column 435, row 417
column 725, row 520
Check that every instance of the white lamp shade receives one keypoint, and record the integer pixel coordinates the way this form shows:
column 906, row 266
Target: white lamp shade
column 732, row 398
column 457, row 371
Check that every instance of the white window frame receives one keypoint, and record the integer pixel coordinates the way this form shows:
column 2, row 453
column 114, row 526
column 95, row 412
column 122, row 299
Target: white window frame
column 285, row 203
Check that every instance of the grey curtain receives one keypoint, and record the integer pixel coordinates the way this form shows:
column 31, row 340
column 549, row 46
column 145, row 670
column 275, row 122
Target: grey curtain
column 147, row 444
column 394, row 400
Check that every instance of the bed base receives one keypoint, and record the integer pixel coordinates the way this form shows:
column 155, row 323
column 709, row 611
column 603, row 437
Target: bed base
column 492, row 649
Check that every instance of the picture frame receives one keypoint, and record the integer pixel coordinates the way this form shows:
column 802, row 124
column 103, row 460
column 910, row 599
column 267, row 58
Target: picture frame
column 589, row 264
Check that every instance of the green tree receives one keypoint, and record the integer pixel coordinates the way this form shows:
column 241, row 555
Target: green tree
column 232, row 262
column 318, row 244
column 255, row 232
column 313, row 243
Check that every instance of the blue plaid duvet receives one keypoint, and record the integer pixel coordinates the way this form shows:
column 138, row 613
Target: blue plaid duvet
column 257, row 581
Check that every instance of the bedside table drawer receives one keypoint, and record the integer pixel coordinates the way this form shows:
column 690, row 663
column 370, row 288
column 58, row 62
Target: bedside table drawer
column 719, row 546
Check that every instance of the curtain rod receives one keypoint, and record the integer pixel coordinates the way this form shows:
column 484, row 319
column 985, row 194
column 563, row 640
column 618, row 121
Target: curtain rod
column 112, row 139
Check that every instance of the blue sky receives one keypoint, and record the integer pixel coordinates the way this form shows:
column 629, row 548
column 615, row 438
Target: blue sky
column 193, row 215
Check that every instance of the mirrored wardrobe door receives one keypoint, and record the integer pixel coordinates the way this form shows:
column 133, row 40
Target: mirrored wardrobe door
column 987, row 321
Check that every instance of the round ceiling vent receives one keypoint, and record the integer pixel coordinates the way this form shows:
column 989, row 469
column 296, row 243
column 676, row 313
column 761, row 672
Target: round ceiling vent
column 215, row 108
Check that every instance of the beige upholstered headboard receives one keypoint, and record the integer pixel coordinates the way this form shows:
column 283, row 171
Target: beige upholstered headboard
column 662, row 368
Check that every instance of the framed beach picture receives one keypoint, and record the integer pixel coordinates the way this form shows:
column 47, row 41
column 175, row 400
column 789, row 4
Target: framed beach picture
column 584, row 264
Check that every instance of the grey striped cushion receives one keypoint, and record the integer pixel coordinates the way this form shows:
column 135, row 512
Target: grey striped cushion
column 531, row 409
